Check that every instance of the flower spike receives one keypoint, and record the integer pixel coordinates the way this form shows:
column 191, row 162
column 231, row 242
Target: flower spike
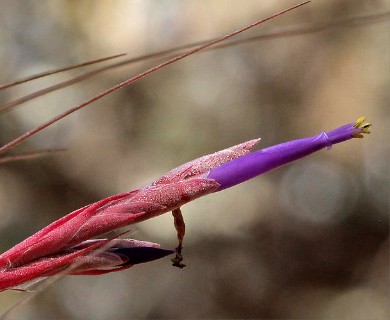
column 68, row 240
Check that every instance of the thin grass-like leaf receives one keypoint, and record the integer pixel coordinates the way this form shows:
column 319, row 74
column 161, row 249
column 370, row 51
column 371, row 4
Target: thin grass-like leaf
column 30, row 155
column 32, row 132
column 51, row 72
column 285, row 32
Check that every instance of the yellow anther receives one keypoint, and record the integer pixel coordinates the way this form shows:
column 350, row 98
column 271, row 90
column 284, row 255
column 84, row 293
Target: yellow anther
column 359, row 122
column 365, row 128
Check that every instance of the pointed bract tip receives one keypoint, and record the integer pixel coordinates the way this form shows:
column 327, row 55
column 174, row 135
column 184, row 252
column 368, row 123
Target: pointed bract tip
column 248, row 145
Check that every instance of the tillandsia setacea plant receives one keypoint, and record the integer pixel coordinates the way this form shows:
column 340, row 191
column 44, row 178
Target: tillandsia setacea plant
column 68, row 245
column 67, row 241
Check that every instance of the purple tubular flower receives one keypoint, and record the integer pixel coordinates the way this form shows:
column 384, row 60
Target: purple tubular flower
column 256, row 163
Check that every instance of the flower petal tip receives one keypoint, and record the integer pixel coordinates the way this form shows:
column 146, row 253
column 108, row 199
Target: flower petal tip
column 136, row 255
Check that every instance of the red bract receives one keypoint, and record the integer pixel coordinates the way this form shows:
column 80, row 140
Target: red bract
column 168, row 193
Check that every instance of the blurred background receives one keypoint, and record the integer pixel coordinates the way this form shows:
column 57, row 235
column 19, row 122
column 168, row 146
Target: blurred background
column 309, row 240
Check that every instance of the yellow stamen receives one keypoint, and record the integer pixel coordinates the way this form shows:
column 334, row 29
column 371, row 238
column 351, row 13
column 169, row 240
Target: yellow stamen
column 363, row 128
column 366, row 128
column 359, row 122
